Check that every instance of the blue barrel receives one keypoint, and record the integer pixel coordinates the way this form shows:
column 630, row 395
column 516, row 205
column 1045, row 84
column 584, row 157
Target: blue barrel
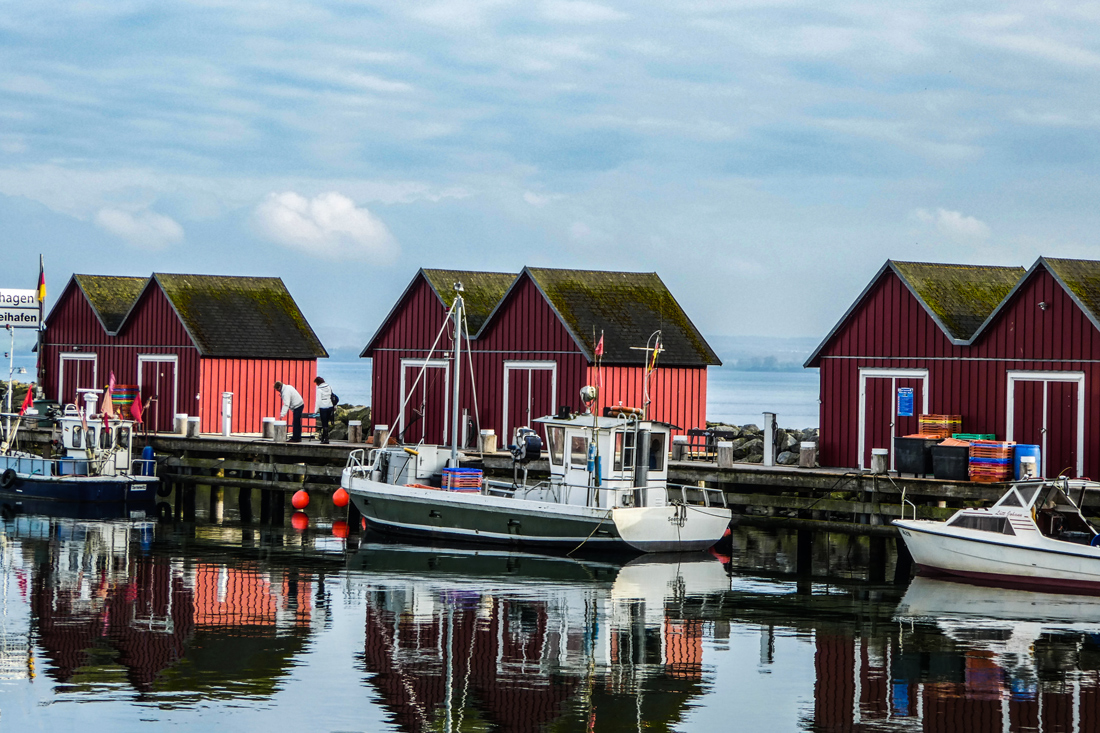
column 1023, row 449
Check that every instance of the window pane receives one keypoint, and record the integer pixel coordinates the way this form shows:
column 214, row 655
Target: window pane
column 556, row 438
column 78, row 437
column 105, row 438
column 578, row 451
column 657, row 452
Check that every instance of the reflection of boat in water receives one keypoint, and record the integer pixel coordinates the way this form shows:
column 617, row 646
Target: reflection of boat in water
column 608, row 486
column 521, row 642
column 1005, row 626
column 1034, row 536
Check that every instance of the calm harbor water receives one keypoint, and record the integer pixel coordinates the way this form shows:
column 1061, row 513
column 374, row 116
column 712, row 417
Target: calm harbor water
column 735, row 397
column 113, row 624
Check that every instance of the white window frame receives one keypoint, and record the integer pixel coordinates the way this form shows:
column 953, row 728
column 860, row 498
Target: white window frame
column 76, row 356
column 894, row 375
column 516, row 365
column 430, row 364
column 172, row 359
column 1021, row 375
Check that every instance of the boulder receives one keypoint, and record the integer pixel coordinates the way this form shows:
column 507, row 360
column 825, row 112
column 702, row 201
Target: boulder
column 787, row 458
column 750, row 429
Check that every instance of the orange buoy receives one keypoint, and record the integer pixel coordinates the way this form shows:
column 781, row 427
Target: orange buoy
column 340, row 498
column 340, row 529
column 300, row 500
column 299, row 521
column 363, row 522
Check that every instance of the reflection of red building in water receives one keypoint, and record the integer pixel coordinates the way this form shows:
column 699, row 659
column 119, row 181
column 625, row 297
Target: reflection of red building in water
column 877, row 684
column 151, row 619
column 518, row 665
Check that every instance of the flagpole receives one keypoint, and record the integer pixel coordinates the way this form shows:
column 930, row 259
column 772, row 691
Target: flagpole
column 11, row 369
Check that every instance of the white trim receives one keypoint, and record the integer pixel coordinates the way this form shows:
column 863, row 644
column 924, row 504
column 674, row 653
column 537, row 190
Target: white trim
column 530, row 366
column 866, row 373
column 162, row 359
column 430, row 364
column 1046, row 377
column 75, row 356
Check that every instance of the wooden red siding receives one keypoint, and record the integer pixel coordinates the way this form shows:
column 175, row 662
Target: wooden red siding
column 678, row 395
column 890, row 329
column 252, row 383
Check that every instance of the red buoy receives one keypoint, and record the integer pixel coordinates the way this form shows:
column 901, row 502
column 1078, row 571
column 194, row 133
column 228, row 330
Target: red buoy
column 299, row 521
column 340, row 529
column 300, row 500
column 363, row 522
column 340, row 498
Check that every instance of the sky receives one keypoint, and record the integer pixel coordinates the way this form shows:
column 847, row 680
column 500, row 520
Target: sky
column 765, row 158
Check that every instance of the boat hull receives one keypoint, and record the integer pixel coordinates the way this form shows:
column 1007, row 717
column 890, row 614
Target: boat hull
column 84, row 489
column 480, row 518
column 1051, row 565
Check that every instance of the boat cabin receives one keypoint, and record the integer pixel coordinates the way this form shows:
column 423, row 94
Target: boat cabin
column 604, row 462
column 1048, row 505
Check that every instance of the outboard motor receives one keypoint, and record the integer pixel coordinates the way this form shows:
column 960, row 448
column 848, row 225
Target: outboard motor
column 528, row 448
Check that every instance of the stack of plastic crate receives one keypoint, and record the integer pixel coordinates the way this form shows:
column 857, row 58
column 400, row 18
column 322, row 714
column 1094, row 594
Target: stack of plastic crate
column 941, row 426
column 990, row 460
column 462, row 479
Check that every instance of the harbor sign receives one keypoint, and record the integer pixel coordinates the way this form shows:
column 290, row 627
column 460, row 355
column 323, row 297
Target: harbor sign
column 19, row 308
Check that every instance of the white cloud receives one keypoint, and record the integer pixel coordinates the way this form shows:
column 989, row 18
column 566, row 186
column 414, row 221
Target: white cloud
column 141, row 229
column 953, row 224
column 539, row 200
column 329, row 225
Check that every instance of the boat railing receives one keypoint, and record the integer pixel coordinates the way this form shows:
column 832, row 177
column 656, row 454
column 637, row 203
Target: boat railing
column 698, row 495
column 360, row 463
column 905, row 501
column 143, row 467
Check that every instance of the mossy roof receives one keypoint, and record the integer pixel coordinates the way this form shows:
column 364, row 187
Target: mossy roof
column 960, row 298
column 111, row 297
column 241, row 317
column 627, row 308
column 1082, row 279
column 481, row 291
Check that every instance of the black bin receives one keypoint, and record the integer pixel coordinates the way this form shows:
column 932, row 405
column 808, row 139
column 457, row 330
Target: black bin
column 951, row 462
column 914, row 455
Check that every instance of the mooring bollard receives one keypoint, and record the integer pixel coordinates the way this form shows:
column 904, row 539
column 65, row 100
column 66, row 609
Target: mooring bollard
column 193, row 427
column 180, row 425
column 278, row 431
column 355, row 431
column 381, row 435
column 267, row 427
column 725, row 454
column 487, row 441
column 679, row 447
column 807, row 454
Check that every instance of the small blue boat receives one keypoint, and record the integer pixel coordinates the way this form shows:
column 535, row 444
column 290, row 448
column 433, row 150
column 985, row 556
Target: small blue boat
column 96, row 466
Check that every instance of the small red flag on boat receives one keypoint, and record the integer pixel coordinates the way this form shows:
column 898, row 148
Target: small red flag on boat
column 28, row 401
column 599, row 346
column 135, row 407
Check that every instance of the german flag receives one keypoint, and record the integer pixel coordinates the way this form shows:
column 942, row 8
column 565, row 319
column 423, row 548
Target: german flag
column 41, row 280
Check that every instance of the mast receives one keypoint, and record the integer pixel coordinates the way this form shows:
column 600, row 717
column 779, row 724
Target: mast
column 459, row 312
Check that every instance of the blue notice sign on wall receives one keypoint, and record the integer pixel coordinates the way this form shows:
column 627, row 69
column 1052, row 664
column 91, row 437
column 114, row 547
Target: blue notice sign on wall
column 905, row 402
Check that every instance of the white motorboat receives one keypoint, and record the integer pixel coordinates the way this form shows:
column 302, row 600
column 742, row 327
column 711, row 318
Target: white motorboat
column 608, row 487
column 1034, row 536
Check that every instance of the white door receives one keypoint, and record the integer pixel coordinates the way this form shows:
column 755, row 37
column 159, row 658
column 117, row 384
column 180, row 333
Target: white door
column 158, row 378
column 879, row 421
column 530, row 391
column 76, row 371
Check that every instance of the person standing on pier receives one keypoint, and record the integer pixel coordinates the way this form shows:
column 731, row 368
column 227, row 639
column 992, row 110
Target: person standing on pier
column 326, row 405
column 291, row 401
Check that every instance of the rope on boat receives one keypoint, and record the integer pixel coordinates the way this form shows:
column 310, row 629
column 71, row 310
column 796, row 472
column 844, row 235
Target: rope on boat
column 598, row 525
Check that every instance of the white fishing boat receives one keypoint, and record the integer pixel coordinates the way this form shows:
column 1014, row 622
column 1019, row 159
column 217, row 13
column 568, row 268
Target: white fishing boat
column 608, row 486
column 1034, row 536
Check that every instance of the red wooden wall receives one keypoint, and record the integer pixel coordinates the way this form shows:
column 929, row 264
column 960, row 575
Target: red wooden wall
column 252, row 383
column 891, row 329
column 525, row 328
column 678, row 395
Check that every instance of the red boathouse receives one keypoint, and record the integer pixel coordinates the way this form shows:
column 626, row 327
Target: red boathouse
column 532, row 348
column 1016, row 353
column 183, row 340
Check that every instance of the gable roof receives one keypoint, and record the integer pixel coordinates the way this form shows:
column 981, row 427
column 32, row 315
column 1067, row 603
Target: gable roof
column 627, row 307
column 111, row 297
column 960, row 299
column 1081, row 279
column 481, row 291
column 242, row 317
